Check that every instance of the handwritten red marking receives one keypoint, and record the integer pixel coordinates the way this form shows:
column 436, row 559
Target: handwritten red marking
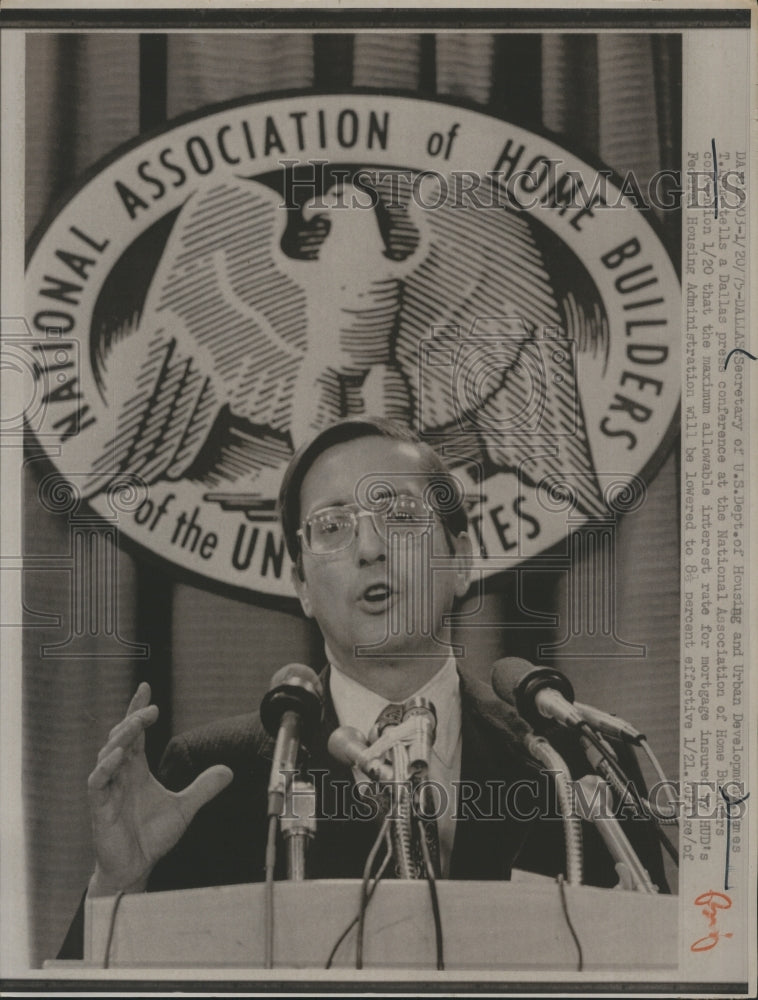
column 711, row 902
column 712, row 939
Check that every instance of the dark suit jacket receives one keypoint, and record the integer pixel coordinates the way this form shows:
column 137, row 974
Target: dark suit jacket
column 225, row 843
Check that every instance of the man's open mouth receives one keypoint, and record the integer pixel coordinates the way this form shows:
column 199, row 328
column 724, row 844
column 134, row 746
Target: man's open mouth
column 377, row 593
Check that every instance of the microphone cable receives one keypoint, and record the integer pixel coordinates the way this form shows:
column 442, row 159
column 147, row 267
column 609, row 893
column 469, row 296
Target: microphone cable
column 431, row 879
column 365, row 895
column 614, row 765
column 630, row 788
column 370, row 893
column 664, row 781
column 112, row 929
column 567, row 917
column 622, row 790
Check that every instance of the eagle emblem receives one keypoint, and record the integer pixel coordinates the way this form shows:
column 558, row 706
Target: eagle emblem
column 264, row 322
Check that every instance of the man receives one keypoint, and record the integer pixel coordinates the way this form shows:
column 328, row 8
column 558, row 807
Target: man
column 376, row 530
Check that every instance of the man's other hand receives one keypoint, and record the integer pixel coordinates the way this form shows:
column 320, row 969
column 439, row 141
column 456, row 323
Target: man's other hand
column 135, row 820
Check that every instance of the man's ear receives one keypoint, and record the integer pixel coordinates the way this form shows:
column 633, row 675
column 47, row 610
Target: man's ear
column 301, row 589
column 464, row 557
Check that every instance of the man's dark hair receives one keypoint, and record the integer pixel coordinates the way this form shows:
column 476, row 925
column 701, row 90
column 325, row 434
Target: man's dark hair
column 452, row 512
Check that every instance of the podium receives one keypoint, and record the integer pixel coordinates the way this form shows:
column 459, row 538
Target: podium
column 517, row 925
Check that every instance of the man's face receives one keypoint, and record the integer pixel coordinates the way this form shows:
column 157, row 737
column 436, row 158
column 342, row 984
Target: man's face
column 372, row 593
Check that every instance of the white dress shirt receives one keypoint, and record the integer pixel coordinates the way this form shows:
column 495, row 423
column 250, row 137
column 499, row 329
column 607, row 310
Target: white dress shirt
column 356, row 706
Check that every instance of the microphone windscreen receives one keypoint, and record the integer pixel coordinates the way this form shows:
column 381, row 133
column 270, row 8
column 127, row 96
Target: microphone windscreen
column 295, row 673
column 293, row 688
column 507, row 675
column 519, row 683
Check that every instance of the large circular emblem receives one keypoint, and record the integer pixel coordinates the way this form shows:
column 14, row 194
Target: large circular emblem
column 216, row 293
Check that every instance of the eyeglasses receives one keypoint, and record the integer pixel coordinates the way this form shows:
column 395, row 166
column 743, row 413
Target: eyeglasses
column 331, row 529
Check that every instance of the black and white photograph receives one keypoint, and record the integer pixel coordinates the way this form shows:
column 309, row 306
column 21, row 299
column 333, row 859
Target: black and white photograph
column 376, row 496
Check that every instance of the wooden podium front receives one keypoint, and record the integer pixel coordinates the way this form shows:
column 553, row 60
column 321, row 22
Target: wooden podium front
column 486, row 925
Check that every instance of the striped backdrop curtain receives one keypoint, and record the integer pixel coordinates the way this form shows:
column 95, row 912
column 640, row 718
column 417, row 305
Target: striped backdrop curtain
column 208, row 656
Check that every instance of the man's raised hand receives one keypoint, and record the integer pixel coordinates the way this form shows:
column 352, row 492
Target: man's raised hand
column 135, row 820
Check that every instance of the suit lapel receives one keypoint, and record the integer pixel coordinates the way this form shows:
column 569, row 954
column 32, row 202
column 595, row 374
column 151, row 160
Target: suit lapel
column 346, row 826
column 487, row 839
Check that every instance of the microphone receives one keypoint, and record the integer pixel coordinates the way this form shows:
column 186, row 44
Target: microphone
column 299, row 827
column 611, row 725
column 597, row 806
column 539, row 693
column 422, row 716
column 348, row 746
column 390, row 715
column 290, row 712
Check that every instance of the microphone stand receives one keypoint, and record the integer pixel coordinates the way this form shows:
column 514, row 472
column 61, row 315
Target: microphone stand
column 401, row 829
column 290, row 709
column 632, row 873
column 400, row 814
column 546, row 754
column 298, row 826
